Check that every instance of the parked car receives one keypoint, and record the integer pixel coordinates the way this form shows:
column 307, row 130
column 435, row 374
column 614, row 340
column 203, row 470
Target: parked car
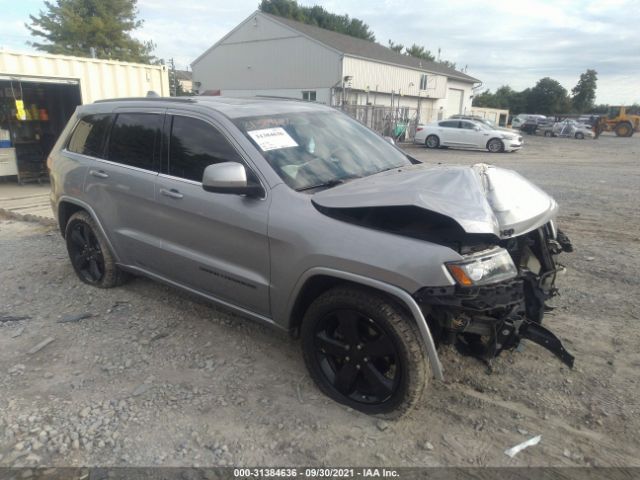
column 573, row 129
column 488, row 123
column 467, row 134
column 520, row 120
column 297, row 216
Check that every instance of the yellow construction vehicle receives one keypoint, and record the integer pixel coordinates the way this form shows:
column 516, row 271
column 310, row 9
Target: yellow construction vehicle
column 619, row 121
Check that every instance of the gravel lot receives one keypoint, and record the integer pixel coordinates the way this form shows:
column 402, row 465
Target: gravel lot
column 153, row 376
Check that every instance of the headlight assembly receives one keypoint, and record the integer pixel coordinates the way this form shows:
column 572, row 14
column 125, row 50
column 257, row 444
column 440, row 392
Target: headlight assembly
column 483, row 268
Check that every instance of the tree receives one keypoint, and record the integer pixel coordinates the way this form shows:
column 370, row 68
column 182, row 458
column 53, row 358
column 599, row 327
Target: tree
column 396, row 47
column 548, row 97
column 87, row 27
column 584, row 93
column 318, row 16
column 418, row 51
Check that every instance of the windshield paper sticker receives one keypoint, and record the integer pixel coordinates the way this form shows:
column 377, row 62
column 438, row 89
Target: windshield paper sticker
column 272, row 138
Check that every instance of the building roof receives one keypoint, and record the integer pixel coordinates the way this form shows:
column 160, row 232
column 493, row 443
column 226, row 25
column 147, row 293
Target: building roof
column 370, row 50
column 184, row 75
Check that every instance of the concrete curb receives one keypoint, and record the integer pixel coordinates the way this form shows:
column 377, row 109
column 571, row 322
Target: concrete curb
column 49, row 222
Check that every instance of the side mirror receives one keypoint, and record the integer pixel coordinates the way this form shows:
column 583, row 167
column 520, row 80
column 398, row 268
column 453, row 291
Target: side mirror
column 476, row 128
column 229, row 177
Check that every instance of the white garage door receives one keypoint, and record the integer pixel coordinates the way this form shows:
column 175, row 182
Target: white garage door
column 454, row 101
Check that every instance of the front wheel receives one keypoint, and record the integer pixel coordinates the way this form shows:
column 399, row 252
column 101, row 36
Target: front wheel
column 548, row 134
column 579, row 135
column 495, row 145
column 432, row 141
column 362, row 350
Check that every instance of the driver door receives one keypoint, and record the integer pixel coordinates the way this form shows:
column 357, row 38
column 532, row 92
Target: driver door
column 473, row 136
column 212, row 242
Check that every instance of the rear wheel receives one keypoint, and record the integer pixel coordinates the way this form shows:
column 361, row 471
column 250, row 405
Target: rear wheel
column 432, row 141
column 624, row 129
column 362, row 350
column 548, row 133
column 495, row 145
column 89, row 253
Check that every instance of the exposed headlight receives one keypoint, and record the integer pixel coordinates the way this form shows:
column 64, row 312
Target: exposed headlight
column 483, row 268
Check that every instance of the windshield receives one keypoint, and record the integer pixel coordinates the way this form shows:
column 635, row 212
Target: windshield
column 309, row 150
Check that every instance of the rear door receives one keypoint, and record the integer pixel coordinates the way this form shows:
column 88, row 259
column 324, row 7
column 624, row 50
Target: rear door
column 120, row 186
column 448, row 132
column 212, row 242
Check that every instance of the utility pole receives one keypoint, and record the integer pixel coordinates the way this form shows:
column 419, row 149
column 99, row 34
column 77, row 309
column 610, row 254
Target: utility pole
column 174, row 89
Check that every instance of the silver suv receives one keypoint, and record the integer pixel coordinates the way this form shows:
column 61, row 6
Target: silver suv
column 295, row 215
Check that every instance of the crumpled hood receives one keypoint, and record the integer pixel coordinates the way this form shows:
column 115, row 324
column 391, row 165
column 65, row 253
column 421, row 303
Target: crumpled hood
column 481, row 198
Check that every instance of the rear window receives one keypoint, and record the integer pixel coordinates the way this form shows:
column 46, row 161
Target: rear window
column 449, row 124
column 89, row 135
column 134, row 139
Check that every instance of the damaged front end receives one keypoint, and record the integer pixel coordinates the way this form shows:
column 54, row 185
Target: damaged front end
column 501, row 296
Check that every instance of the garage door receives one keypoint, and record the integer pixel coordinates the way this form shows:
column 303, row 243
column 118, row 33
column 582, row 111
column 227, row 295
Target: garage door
column 454, row 101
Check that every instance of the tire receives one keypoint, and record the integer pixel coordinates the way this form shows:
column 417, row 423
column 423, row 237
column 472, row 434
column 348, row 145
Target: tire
column 548, row 134
column 432, row 141
column 580, row 135
column 363, row 351
column 495, row 145
column 624, row 129
column 89, row 253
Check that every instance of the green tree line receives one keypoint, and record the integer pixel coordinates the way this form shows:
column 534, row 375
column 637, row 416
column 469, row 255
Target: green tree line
column 546, row 97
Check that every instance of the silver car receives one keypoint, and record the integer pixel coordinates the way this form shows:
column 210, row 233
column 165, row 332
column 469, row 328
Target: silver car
column 293, row 214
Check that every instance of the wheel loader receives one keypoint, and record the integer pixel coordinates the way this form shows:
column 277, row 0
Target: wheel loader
column 619, row 121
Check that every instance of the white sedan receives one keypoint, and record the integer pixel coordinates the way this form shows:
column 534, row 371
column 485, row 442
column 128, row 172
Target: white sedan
column 467, row 134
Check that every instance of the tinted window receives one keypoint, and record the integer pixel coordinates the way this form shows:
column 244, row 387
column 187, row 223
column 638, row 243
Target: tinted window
column 194, row 145
column 134, row 138
column 449, row 124
column 88, row 136
column 468, row 125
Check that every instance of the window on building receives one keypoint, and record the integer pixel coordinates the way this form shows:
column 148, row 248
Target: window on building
column 309, row 95
column 89, row 135
column 134, row 139
column 423, row 82
column 194, row 145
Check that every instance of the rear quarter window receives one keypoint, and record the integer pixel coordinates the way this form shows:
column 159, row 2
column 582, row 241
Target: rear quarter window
column 89, row 135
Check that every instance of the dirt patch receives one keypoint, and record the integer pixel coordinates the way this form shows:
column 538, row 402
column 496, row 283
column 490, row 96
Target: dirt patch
column 147, row 375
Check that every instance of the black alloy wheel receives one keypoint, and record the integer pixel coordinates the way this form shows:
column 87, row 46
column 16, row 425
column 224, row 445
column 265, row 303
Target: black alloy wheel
column 89, row 253
column 357, row 357
column 364, row 350
column 86, row 253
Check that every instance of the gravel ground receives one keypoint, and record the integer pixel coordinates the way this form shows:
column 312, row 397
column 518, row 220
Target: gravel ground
column 147, row 375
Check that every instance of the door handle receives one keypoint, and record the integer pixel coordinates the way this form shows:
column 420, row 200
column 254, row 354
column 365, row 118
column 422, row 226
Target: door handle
column 99, row 173
column 173, row 193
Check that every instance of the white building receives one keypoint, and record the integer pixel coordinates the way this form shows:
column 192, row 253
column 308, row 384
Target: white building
column 270, row 55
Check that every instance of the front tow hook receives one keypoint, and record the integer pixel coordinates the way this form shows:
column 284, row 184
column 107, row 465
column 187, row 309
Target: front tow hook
column 543, row 337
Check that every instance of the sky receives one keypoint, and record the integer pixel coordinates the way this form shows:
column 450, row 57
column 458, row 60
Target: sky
column 511, row 43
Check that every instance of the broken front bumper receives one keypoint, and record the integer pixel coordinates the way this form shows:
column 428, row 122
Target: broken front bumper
column 485, row 320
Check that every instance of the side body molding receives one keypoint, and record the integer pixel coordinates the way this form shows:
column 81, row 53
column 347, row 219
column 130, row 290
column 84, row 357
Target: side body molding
column 396, row 292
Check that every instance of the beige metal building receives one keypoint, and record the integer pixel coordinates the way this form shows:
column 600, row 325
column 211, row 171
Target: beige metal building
column 39, row 92
column 270, row 55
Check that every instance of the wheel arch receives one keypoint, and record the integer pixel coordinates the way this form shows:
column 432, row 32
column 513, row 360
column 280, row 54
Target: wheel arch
column 318, row 280
column 67, row 206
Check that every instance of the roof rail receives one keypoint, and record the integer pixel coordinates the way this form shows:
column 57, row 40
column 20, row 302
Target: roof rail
column 148, row 99
column 276, row 97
